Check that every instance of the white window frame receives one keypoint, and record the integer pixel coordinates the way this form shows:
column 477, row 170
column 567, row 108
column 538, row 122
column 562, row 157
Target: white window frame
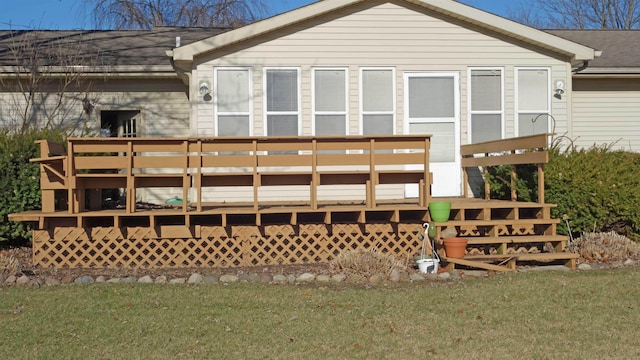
column 218, row 113
column 471, row 112
column 266, row 111
column 346, row 98
column 517, row 110
column 363, row 112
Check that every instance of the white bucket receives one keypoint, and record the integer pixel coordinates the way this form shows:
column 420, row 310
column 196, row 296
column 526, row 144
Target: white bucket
column 428, row 266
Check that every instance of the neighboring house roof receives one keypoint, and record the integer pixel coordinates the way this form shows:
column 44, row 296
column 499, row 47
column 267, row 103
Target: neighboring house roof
column 620, row 49
column 113, row 50
column 576, row 53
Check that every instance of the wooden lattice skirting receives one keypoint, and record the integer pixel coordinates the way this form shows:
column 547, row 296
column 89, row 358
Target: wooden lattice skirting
column 219, row 247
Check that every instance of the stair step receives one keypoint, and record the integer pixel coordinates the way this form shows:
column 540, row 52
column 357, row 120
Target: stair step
column 524, row 256
column 509, row 239
column 498, row 222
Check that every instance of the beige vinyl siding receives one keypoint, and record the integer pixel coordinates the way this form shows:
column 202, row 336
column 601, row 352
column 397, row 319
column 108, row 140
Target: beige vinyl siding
column 163, row 105
column 607, row 118
column 407, row 39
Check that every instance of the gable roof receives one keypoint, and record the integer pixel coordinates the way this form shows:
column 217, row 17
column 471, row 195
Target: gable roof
column 620, row 49
column 99, row 50
column 577, row 53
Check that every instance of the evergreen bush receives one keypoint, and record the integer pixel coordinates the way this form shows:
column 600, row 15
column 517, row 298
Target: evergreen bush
column 596, row 189
column 20, row 179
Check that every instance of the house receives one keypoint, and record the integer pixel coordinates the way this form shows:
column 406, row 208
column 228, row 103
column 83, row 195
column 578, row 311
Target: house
column 606, row 93
column 338, row 67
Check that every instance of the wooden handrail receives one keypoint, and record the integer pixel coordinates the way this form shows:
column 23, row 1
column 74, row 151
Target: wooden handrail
column 197, row 162
column 512, row 152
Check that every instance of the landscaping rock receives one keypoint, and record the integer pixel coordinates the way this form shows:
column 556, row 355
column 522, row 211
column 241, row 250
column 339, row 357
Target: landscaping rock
column 228, row 279
column 265, row 278
column 254, row 278
column 305, row 278
column 416, row 277
column 115, row 280
column 85, row 279
column 10, row 280
column 244, row 277
column 160, row 280
column 629, row 262
column 129, row 279
column 338, row 278
column 23, row 280
column 195, row 278
column 145, row 280
column 323, row 278
column 67, row 279
column 584, row 267
column 291, row 279
column 396, row 275
column 177, row 281
column 279, row 279
column 445, row 276
column 101, row 279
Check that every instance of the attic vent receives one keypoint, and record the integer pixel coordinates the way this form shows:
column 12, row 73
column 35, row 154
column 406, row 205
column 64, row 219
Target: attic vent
column 177, row 41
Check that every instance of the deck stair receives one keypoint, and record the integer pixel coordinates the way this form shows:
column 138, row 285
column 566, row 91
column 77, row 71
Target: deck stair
column 503, row 234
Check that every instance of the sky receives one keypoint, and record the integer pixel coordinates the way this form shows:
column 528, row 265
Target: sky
column 68, row 14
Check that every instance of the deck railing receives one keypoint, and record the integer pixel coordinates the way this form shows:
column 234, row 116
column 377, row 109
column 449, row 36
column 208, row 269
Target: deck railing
column 512, row 152
column 92, row 164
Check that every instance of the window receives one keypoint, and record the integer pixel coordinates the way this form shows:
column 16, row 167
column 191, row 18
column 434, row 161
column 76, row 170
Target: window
column 533, row 99
column 233, row 101
column 486, row 104
column 282, row 101
column 330, row 101
column 120, row 123
column 377, row 89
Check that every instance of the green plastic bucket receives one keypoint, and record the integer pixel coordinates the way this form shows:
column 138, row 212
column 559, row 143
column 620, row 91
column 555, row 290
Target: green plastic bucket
column 439, row 210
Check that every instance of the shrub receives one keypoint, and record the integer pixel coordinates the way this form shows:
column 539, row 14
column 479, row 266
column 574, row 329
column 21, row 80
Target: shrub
column 596, row 189
column 20, row 179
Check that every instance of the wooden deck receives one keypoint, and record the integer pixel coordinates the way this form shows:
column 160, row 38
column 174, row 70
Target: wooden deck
column 76, row 231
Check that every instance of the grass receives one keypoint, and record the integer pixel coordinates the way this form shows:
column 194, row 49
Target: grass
column 574, row 315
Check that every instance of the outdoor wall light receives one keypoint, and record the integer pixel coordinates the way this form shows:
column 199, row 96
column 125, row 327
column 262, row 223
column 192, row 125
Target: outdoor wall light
column 205, row 87
column 559, row 87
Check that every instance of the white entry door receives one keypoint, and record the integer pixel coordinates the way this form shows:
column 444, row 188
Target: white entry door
column 432, row 106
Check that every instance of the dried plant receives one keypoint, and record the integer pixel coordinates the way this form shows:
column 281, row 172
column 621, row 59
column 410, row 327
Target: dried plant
column 605, row 247
column 8, row 263
column 366, row 263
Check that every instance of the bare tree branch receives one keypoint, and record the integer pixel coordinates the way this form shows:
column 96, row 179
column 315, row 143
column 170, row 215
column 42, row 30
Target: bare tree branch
column 147, row 14
column 580, row 14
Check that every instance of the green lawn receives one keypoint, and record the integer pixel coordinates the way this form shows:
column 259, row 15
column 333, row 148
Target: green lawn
column 549, row 315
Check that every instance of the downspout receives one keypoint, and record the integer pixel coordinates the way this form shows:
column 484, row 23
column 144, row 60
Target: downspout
column 182, row 73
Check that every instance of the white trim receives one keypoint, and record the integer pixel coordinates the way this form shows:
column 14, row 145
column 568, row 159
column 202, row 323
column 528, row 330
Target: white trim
column 516, row 103
column 448, row 166
column 265, row 110
column 393, row 112
column 470, row 111
column 346, row 98
column 217, row 113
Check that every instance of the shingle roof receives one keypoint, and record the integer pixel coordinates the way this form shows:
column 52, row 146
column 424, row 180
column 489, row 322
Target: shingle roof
column 102, row 47
column 620, row 48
